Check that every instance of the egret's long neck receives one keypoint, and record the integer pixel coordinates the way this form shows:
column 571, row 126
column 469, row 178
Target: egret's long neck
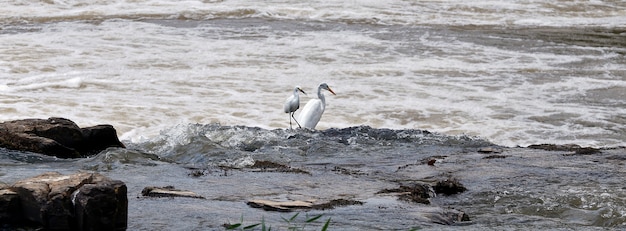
column 320, row 95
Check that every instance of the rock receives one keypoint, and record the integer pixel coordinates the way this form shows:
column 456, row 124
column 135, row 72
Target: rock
column 57, row 137
column 577, row 149
column 98, row 138
column 268, row 166
column 489, row 150
column 280, row 206
column 418, row 193
column 168, row 191
column 489, row 157
column 447, row 216
column 9, row 203
column 449, row 187
column 289, row 206
column 82, row 201
column 101, row 206
column 336, row 203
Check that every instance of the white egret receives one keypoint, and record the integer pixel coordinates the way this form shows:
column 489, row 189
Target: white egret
column 313, row 110
column 292, row 104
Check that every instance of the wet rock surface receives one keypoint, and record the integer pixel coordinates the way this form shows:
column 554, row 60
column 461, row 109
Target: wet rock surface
column 449, row 187
column 168, row 191
column 418, row 193
column 576, row 149
column 360, row 178
column 290, row 206
column 58, row 137
column 268, row 166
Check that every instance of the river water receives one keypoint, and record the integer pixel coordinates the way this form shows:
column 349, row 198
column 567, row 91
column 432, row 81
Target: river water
column 503, row 74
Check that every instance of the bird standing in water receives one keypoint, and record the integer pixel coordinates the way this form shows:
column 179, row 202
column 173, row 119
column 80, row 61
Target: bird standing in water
column 292, row 104
column 313, row 110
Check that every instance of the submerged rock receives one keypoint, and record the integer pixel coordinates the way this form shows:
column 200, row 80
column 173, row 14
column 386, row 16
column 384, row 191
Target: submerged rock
column 168, row 191
column 82, row 201
column 449, row 187
column 280, row 206
column 268, row 166
column 577, row 149
column 58, row 137
column 289, row 206
column 418, row 193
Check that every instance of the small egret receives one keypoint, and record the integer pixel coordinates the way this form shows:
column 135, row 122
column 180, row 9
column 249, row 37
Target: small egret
column 292, row 104
column 313, row 110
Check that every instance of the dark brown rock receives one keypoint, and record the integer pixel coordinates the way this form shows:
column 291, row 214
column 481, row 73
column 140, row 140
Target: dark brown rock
column 46, row 200
column 33, row 196
column 449, row 187
column 82, row 201
column 98, row 138
column 102, row 206
column 58, row 137
column 418, row 193
column 9, row 203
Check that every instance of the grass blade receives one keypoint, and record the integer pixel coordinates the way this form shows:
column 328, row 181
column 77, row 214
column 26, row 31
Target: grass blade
column 325, row 227
column 251, row 226
column 233, row 226
column 294, row 217
column 314, row 218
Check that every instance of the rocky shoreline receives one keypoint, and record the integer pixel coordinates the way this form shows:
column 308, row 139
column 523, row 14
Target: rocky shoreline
column 90, row 201
column 421, row 188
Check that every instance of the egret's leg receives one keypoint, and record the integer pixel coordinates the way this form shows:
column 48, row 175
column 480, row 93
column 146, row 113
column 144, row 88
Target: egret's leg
column 290, row 121
column 294, row 119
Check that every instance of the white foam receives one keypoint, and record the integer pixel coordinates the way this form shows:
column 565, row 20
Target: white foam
column 144, row 77
column 485, row 12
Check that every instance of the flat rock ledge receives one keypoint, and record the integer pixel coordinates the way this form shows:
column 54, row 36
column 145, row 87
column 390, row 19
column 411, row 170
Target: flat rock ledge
column 290, row 206
column 168, row 191
column 52, row 201
column 58, row 137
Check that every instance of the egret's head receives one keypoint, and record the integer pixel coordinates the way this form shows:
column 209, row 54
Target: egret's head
column 326, row 87
column 300, row 89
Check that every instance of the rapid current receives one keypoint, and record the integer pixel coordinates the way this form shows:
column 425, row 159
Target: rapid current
column 195, row 90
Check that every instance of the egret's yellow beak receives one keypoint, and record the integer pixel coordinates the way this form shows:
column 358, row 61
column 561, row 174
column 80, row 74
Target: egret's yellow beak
column 331, row 91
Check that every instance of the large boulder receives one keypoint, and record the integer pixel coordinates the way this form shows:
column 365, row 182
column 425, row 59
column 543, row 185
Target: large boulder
column 81, row 201
column 58, row 137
